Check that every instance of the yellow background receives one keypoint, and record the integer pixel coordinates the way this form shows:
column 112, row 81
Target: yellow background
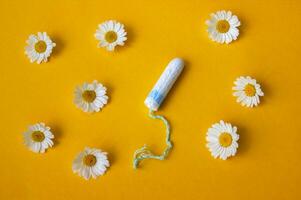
column 267, row 165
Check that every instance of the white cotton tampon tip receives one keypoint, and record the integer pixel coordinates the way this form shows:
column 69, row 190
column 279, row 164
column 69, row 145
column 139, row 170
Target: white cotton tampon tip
column 164, row 84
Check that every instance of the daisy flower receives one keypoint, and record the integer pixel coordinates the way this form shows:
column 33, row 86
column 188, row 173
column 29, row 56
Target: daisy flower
column 91, row 97
column 38, row 138
column 39, row 47
column 247, row 91
column 110, row 34
column 222, row 140
column 222, row 27
column 90, row 163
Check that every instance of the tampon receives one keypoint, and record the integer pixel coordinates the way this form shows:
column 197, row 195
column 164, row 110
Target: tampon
column 153, row 102
column 164, row 84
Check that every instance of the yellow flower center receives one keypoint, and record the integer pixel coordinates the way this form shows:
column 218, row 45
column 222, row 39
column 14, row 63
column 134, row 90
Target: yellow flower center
column 89, row 95
column 40, row 46
column 38, row 136
column 225, row 139
column 250, row 90
column 223, row 26
column 90, row 160
column 111, row 36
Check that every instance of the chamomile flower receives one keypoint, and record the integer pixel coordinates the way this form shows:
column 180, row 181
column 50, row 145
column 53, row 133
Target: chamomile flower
column 222, row 140
column 247, row 91
column 222, row 27
column 38, row 138
column 110, row 34
column 90, row 163
column 90, row 97
column 39, row 47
